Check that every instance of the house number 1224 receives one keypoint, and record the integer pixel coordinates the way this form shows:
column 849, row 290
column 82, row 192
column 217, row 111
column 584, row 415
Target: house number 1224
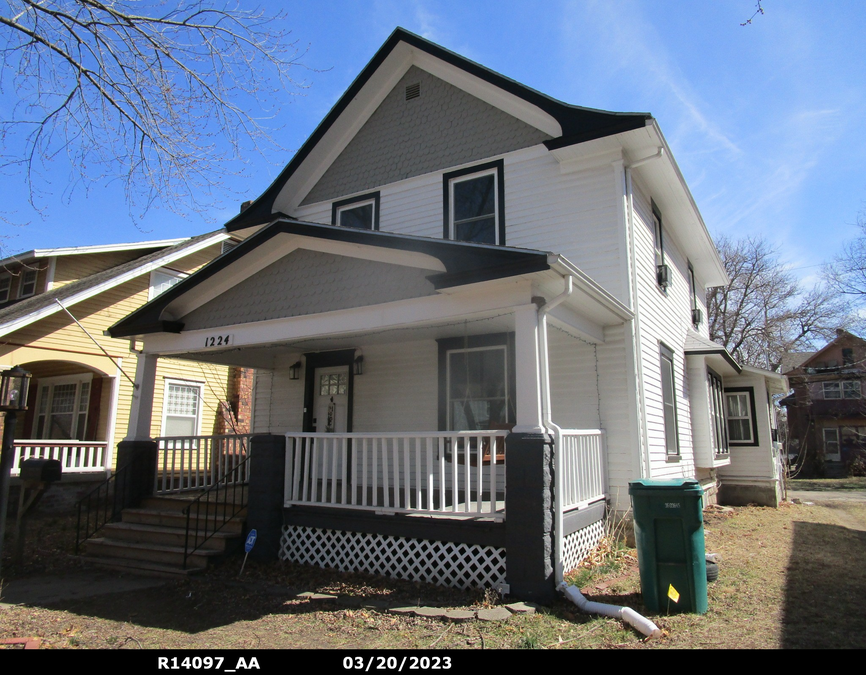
column 217, row 340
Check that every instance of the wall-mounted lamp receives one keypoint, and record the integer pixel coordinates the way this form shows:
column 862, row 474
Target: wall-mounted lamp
column 14, row 387
column 359, row 365
column 295, row 371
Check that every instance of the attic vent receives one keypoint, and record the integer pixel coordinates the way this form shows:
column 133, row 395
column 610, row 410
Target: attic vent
column 228, row 245
column 413, row 91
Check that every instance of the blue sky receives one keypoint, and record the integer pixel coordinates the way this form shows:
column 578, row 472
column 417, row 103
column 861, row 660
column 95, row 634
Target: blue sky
column 764, row 120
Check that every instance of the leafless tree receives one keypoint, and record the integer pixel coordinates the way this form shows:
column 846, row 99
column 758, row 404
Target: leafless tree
column 160, row 95
column 846, row 273
column 763, row 312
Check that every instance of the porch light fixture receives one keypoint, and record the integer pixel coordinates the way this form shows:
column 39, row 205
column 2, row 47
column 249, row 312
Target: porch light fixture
column 359, row 365
column 14, row 385
column 295, row 371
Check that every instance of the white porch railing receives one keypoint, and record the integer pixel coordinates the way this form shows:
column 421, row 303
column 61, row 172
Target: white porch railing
column 189, row 463
column 583, row 467
column 417, row 472
column 74, row 456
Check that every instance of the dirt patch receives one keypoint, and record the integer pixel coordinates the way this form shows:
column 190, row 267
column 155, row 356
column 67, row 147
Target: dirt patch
column 789, row 577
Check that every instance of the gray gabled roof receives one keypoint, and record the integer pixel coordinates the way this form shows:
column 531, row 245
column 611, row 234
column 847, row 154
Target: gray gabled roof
column 26, row 311
column 579, row 124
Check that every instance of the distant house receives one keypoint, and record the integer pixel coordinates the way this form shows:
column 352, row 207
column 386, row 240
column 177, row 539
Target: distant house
column 827, row 411
column 55, row 305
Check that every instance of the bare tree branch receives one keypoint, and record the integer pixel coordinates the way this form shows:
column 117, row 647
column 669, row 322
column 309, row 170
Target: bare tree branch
column 160, row 95
column 763, row 312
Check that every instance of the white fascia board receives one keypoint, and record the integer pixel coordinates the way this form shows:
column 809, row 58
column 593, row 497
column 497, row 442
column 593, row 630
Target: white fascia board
column 585, row 284
column 343, row 130
column 415, row 313
column 81, row 250
column 279, row 247
column 696, row 240
column 111, row 283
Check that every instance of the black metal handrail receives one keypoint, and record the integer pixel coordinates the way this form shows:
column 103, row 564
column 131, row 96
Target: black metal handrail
column 105, row 504
column 210, row 501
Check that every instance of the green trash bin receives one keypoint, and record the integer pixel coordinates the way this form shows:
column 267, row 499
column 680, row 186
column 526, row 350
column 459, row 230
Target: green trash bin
column 669, row 531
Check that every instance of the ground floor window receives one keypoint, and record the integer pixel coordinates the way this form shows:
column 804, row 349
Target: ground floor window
column 717, row 414
column 742, row 421
column 476, row 382
column 181, row 408
column 669, row 401
column 61, row 409
column 831, row 443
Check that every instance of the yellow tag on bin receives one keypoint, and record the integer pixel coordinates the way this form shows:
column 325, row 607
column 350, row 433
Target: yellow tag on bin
column 673, row 594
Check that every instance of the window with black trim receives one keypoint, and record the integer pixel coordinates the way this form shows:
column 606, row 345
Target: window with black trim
column 697, row 315
column 5, row 288
column 669, row 400
column 474, row 204
column 361, row 212
column 27, row 285
column 717, row 414
column 476, row 382
column 742, row 421
column 662, row 270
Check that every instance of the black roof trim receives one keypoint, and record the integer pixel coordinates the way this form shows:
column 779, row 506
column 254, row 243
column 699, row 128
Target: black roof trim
column 721, row 352
column 464, row 263
column 578, row 124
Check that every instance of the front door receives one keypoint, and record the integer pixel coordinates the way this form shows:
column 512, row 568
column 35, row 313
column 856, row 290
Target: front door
column 331, row 399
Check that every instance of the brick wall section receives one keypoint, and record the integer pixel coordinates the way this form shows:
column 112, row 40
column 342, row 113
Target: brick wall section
column 236, row 415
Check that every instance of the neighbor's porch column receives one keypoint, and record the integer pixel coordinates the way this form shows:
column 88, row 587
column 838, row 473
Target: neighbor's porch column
column 141, row 411
column 138, row 450
column 526, row 379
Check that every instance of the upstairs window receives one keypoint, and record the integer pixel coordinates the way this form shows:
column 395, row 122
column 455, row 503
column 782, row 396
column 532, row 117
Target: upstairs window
column 474, row 204
column 27, row 285
column 5, row 288
column 838, row 390
column 360, row 213
column 697, row 315
column 847, row 357
column 662, row 270
column 742, row 422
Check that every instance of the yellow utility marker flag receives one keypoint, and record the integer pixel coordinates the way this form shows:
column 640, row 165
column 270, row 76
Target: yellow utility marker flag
column 673, row 594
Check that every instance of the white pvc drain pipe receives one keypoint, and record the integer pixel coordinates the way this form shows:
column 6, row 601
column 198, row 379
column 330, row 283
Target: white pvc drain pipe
column 627, row 614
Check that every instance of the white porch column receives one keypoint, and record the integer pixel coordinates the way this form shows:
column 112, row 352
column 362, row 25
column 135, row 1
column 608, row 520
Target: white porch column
column 526, row 366
column 142, row 398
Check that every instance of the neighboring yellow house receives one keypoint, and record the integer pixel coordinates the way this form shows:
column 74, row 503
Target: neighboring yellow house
column 80, row 395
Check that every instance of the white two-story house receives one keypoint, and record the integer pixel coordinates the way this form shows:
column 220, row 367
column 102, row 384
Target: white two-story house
column 475, row 314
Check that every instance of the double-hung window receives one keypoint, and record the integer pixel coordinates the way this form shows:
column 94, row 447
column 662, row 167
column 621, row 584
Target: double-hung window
column 742, row 421
column 27, row 285
column 844, row 389
column 61, row 409
column 474, row 204
column 5, row 288
column 361, row 213
column 669, row 401
column 181, row 408
column 476, row 382
column 717, row 414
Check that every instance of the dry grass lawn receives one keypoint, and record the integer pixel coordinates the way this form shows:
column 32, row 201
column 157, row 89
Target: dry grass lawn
column 789, row 577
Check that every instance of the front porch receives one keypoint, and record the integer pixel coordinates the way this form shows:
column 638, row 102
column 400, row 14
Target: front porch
column 405, row 399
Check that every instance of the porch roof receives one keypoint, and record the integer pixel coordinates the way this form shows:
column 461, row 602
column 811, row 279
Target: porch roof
column 452, row 264
column 698, row 345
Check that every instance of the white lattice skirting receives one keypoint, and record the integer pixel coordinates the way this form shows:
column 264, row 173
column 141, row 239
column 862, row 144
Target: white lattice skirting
column 579, row 543
column 438, row 562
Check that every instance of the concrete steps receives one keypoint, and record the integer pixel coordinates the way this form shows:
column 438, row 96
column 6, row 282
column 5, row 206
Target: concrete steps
column 150, row 539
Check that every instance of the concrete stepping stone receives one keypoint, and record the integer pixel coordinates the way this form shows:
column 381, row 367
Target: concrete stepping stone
column 495, row 614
